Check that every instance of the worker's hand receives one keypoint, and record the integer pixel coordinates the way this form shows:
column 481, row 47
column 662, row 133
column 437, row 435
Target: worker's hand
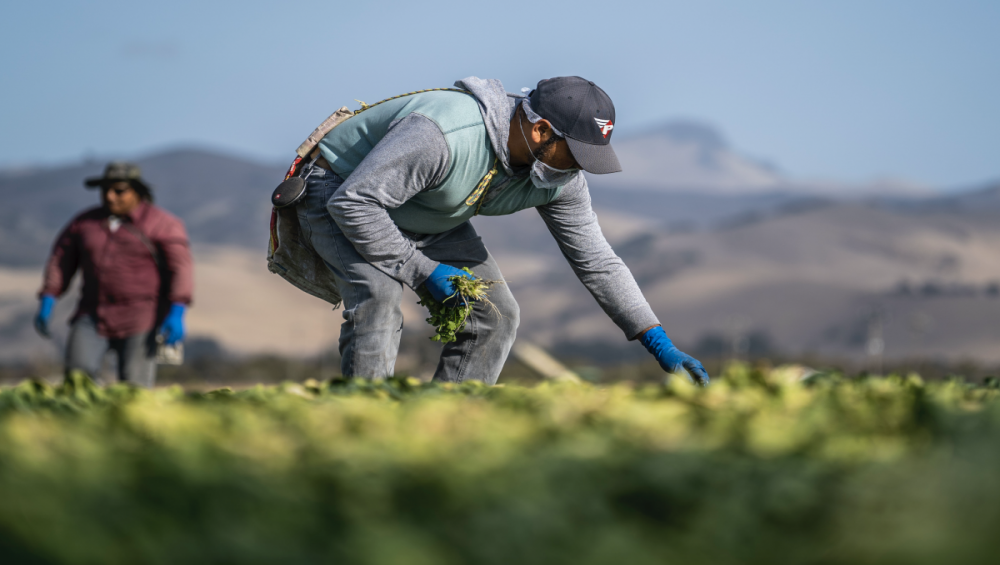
column 440, row 287
column 173, row 327
column 671, row 358
column 45, row 305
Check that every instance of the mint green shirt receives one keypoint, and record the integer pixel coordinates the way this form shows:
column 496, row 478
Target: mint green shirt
column 445, row 204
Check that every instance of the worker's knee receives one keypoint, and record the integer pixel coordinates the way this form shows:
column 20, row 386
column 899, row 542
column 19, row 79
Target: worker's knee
column 508, row 314
column 385, row 297
column 378, row 307
column 512, row 317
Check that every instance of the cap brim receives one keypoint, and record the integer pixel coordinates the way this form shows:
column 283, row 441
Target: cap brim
column 595, row 159
column 94, row 182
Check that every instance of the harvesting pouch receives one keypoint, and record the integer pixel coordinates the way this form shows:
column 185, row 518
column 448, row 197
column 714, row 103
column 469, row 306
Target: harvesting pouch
column 290, row 256
column 288, row 252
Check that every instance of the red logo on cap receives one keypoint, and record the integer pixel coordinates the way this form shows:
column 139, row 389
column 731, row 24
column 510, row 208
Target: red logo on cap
column 605, row 125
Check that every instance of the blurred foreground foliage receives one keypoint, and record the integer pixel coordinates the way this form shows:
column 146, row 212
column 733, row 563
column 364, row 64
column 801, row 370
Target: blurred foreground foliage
column 761, row 467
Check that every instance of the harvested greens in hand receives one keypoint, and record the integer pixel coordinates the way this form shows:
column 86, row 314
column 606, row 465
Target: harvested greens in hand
column 450, row 317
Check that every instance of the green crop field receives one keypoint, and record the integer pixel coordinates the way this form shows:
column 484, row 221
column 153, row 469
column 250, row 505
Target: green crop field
column 757, row 468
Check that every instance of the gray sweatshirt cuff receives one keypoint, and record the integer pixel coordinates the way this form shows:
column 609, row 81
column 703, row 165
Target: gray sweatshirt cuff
column 637, row 319
column 414, row 271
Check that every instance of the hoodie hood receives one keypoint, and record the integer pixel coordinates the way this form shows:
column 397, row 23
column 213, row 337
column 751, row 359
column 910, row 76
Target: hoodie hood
column 497, row 106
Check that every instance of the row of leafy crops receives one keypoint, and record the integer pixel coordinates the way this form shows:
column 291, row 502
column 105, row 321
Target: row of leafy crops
column 757, row 468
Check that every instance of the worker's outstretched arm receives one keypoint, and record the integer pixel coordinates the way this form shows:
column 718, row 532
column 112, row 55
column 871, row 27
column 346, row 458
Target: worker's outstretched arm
column 572, row 222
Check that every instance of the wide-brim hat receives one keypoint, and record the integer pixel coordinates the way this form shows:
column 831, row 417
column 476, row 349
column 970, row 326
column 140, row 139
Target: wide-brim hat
column 120, row 171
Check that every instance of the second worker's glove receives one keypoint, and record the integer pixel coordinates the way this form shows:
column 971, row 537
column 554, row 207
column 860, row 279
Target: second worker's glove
column 45, row 305
column 173, row 326
column 671, row 358
column 440, row 287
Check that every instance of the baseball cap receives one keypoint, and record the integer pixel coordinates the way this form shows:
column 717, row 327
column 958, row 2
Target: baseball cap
column 584, row 114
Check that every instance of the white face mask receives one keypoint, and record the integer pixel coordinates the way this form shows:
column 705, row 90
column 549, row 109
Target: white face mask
column 542, row 175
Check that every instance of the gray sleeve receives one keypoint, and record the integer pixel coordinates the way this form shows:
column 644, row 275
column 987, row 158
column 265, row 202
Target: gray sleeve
column 413, row 156
column 572, row 222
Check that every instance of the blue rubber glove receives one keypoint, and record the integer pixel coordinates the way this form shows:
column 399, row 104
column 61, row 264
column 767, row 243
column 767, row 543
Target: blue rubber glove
column 671, row 358
column 45, row 305
column 440, row 287
column 173, row 327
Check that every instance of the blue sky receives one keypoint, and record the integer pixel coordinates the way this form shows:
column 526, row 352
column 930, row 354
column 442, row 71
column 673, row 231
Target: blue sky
column 847, row 90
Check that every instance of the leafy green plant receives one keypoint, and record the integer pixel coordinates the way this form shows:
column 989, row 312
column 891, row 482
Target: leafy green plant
column 762, row 467
column 449, row 317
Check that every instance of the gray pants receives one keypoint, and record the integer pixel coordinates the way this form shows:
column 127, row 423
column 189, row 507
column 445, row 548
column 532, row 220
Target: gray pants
column 136, row 354
column 369, row 336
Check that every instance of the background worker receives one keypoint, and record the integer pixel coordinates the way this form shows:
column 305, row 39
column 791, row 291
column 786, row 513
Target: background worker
column 388, row 203
column 137, row 278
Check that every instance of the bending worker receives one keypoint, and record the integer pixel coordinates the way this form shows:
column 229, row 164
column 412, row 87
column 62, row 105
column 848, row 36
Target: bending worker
column 389, row 199
column 136, row 266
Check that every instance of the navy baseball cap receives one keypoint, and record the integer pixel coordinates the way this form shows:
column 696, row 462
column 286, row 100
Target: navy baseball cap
column 583, row 113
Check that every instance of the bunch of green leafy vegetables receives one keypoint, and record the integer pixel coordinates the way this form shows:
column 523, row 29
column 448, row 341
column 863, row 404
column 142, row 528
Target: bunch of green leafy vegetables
column 449, row 317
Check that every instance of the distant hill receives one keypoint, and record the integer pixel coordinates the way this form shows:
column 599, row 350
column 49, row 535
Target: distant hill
column 773, row 271
column 689, row 156
column 222, row 199
column 803, row 279
column 693, row 157
column 684, row 173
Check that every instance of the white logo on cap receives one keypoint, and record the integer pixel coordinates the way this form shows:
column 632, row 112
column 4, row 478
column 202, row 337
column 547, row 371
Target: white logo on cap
column 605, row 125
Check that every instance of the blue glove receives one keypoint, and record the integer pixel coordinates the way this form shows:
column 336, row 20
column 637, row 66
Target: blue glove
column 671, row 358
column 45, row 305
column 173, row 327
column 440, row 287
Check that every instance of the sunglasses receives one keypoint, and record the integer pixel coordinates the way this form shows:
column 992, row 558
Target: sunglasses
column 117, row 190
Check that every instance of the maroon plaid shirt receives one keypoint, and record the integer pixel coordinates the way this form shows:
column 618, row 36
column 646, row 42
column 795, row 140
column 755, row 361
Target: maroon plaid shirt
column 123, row 288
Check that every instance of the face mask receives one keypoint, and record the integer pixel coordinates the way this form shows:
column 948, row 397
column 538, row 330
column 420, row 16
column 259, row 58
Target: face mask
column 542, row 175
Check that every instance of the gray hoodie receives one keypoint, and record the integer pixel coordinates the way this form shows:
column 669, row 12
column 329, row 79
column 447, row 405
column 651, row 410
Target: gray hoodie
column 414, row 156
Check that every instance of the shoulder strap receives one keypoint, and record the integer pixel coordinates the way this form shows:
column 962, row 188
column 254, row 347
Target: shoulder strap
column 145, row 240
column 367, row 106
column 342, row 114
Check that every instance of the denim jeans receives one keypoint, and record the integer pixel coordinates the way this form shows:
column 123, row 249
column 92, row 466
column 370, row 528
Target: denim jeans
column 373, row 320
column 136, row 354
